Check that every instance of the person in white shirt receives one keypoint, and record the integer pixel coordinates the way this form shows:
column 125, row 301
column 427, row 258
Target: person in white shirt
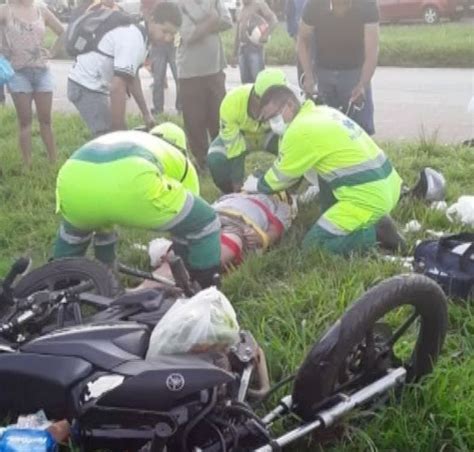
column 100, row 81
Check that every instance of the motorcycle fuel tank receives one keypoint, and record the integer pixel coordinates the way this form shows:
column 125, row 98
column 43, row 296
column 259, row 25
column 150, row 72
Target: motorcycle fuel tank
column 164, row 383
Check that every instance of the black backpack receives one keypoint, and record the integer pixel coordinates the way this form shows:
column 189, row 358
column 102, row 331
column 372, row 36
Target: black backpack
column 450, row 262
column 86, row 30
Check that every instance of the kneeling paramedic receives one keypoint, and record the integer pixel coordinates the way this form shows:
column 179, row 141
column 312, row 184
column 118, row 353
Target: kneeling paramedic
column 240, row 131
column 359, row 186
column 136, row 180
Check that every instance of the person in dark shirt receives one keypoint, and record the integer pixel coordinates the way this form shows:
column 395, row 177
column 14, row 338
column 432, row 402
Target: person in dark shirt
column 345, row 46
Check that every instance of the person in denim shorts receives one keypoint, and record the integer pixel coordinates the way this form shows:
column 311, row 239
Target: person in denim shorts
column 24, row 28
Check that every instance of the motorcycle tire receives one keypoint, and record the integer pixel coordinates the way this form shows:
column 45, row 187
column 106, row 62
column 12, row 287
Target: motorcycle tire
column 56, row 274
column 318, row 376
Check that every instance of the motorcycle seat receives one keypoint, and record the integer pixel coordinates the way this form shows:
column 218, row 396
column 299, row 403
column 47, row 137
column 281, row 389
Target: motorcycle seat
column 106, row 346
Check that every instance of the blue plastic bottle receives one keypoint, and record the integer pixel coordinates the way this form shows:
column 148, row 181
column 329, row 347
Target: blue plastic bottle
column 27, row 440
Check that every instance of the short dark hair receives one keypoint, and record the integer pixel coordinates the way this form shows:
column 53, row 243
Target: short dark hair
column 167, row 12
column 278, row 95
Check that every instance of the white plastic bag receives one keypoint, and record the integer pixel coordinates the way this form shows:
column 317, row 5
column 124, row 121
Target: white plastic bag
column 462, row 211
column 157, row 250
column 195, row 325
column 250, row 184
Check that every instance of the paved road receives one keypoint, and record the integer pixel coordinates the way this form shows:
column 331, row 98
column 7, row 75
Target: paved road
column 409, row 102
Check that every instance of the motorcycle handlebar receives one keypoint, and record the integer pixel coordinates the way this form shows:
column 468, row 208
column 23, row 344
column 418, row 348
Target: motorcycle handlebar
column 20, row 320
column 34, row 305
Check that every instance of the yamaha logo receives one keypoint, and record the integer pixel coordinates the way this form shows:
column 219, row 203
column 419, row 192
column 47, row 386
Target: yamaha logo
column 175, row 382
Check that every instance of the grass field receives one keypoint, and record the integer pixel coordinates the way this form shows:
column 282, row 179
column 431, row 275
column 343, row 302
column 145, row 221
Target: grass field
column 286, row 298
column 442, row 45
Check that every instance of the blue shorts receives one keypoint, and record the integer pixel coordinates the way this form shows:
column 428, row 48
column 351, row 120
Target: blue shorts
column 31, row 80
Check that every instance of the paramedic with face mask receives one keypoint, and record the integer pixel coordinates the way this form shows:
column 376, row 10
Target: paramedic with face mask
column 241, row 132
column 359, row 186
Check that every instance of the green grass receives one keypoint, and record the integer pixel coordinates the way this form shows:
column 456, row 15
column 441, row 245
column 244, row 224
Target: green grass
column 442, row 45
column 285, row 298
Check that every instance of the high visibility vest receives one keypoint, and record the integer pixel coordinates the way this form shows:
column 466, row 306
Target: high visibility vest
column 322, row 142
column 238, row 131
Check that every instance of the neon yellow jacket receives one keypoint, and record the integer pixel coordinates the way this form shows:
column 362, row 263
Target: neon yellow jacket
column 128, row 178
column 238, row 131
column 321, row 141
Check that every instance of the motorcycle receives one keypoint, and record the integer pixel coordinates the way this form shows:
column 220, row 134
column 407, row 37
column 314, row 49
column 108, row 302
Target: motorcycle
column 96, row 376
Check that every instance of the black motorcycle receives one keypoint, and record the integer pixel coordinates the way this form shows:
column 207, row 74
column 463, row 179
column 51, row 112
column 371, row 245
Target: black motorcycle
column 96, row 376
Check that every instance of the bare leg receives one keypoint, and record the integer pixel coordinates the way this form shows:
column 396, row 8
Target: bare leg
column 22, row 102
column 44, row 102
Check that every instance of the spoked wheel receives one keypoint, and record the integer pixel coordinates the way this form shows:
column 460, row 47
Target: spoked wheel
column 401, row 322
column 69, row 273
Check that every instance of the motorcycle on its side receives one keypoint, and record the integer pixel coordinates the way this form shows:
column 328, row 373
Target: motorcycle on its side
column 72, row 345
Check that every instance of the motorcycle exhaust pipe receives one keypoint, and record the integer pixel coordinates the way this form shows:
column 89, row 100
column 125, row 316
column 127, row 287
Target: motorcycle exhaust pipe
column 328, row 417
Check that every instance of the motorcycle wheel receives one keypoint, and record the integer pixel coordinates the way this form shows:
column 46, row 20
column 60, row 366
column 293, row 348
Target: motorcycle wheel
column 63, row 273
column 359, row 348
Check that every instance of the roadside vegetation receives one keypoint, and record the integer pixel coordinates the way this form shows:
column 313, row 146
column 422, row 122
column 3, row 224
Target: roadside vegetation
column 285, row 298
column 442, row 45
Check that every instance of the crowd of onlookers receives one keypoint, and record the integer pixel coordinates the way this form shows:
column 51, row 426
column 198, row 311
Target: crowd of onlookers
column 336, row 42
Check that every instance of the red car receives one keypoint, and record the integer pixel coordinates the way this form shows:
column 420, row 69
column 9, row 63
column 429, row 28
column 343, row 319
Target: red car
column 431, row 11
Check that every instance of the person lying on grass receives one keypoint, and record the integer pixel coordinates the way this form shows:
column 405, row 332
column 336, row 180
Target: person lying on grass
column 135, row 179
column 250, row 223
column 359, row 186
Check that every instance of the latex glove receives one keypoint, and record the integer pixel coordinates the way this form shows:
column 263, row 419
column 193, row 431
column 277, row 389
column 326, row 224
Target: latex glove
column 250, row 184
column 157, row 250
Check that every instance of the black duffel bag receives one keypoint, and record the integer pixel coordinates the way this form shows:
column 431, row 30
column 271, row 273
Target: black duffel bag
column 450, row 262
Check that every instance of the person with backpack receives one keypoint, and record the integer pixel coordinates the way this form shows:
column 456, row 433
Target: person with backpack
column 108, row 61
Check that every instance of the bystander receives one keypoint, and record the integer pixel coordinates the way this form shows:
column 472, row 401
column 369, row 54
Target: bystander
column 255, row 22
column 345, row 47
column 201, row 64
column 23, row 25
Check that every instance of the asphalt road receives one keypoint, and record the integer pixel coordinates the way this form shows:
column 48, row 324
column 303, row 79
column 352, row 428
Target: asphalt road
column 409, row 102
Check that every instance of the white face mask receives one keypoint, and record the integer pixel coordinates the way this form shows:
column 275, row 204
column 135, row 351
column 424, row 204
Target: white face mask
column 278, row 124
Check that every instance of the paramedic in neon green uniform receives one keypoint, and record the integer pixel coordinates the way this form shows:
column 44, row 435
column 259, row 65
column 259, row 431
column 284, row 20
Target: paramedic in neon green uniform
column 137, row 180
column 359, row 186
column 241, row 132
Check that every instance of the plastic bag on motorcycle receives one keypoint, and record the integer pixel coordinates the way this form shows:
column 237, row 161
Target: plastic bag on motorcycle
column 205, row 322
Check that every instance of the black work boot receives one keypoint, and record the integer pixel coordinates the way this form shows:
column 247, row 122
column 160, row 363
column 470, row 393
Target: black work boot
column 388, row 236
